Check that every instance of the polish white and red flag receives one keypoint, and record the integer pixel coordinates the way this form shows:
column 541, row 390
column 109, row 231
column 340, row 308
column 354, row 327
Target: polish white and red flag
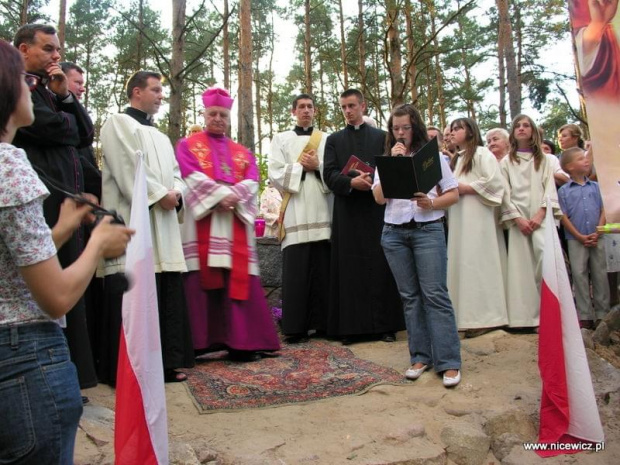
column 141, row 424
column 568, row 411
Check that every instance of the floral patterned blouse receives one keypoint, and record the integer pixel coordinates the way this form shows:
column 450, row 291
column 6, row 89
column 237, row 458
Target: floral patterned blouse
column 25, row 238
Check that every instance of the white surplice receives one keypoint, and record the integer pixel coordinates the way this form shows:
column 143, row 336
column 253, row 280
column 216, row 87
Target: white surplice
column 121, row 137
column 309, row 212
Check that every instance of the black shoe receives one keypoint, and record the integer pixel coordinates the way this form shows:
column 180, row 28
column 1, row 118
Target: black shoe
column 173, row 376
column 296, row 339
column 388, row 337
column 85, row 400
column 243, row 355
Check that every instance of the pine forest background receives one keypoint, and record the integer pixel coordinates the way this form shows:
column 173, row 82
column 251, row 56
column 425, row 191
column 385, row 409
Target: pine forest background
column 434, row 53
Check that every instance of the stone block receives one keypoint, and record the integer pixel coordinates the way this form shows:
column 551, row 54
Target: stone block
column 270, row 261
column 612, row 319
column 466, row 443
column 510, row 421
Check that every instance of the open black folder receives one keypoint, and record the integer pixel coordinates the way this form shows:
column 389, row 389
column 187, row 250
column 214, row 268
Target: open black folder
column 401, row 177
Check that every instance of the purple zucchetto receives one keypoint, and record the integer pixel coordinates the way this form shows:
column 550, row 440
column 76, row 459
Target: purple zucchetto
column 217, row 97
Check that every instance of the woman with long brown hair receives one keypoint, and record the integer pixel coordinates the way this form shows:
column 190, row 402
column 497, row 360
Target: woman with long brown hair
column 476, row 280
column 415, row 248
column 530, row 183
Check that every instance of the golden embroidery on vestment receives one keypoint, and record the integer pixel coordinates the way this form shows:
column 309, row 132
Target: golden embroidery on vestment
column 241, row 162
column 202, row 153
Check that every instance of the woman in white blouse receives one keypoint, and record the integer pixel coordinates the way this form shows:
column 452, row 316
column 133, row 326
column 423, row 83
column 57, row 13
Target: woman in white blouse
column 415, row 247
column 40, row 401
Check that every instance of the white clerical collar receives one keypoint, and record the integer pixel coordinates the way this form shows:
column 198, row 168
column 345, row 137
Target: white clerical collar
column 357, row 127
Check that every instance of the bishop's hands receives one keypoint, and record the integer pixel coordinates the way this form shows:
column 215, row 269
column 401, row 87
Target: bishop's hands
column 228, row 203
column 309, row 160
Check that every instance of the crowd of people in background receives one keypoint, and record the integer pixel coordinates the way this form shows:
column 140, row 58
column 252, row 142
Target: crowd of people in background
column 356, row 265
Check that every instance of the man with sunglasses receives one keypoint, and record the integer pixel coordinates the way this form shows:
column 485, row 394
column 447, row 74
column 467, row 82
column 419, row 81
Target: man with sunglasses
column 61, row 126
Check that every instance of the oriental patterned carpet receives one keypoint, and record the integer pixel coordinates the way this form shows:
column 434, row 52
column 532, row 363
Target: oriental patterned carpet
column 301, row 373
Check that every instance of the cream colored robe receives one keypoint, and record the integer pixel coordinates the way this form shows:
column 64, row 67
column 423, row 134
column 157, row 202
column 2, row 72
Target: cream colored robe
column 309, row 212
column 121, row 137
column 528, row 190
column 476, row 247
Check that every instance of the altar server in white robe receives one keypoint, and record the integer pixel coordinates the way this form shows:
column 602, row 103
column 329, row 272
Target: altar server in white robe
column 296, row 170
column 530, row 182
column 476, row 246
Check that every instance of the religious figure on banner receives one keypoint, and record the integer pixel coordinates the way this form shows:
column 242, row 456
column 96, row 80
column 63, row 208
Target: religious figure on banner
column 596, row 28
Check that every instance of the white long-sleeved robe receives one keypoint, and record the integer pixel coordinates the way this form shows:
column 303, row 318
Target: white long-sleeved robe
column 309, row 212
column 476, row 247
column 121, row 137
column 528, row 190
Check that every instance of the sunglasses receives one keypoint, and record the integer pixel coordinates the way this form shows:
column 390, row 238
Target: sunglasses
column 32, row 80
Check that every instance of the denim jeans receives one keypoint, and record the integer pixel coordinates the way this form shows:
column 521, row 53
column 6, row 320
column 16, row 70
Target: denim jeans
column 40, row 401
column 418, row 260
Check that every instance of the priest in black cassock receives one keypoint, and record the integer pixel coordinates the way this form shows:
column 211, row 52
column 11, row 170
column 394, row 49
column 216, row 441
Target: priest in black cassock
column 364, row 301
column 61, row 128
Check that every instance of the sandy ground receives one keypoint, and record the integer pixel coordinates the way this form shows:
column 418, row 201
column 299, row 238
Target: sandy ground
column 387, row 425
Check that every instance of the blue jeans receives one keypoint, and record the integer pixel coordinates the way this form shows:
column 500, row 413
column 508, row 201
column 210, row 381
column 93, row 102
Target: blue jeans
column 418, row 260
column 40, row 401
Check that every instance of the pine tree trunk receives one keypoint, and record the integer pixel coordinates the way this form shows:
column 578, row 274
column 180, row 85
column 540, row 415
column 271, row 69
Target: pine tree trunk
column 512, row 74
column 360, row 45
column 246, row 110
column 307, row 49
column 176, row 68
column 23, row 13
column 62, row 22
column 441, row 97
column 226, row 47
column 257, row 92
column 270, row 74
column 502, row 76
column 394, row 59
column 412, row 69
column 343, row 47
column 140, row 38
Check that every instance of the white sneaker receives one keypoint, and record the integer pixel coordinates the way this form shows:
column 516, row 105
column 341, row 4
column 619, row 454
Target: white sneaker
column 451, row 381
column 415, row 373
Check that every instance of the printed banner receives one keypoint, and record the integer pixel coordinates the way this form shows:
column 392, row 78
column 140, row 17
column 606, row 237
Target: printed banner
column 596, row 30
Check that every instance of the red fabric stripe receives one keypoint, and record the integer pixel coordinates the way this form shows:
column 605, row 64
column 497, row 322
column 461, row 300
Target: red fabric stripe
column 239, row 277
column 554, row 411
column 210, row 278
column 132, row 441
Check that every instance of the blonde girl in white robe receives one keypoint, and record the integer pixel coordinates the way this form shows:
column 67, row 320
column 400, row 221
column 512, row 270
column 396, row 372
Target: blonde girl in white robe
column 476, row 246
column 530, row 182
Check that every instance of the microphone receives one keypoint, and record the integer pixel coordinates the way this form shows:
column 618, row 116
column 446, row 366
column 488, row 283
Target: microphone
column 402, row 141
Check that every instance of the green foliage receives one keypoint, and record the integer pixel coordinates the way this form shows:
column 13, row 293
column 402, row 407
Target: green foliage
column 262, row 162
column 111, row 40
column 10, row 16
column 557, row 113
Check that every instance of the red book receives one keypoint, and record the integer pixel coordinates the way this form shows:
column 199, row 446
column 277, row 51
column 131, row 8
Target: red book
column 356, row 164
